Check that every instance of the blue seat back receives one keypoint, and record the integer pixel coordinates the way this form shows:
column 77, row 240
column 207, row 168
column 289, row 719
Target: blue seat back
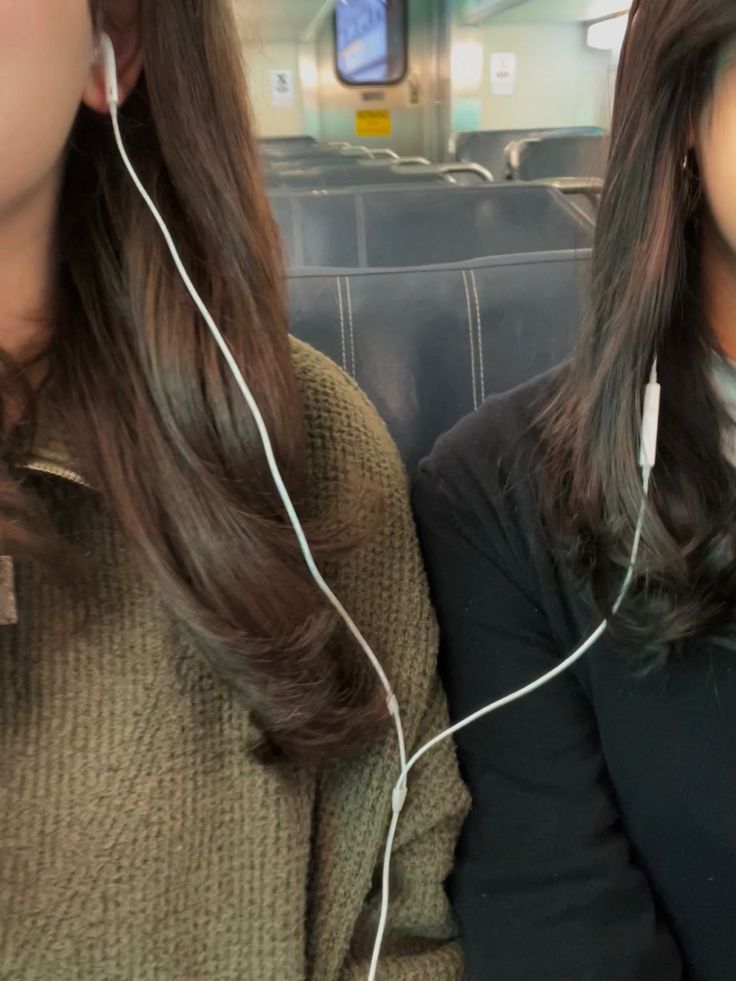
column 488, row 147
column 348, row 174
column 540, row 158
column 416, row 226
column 429, row 344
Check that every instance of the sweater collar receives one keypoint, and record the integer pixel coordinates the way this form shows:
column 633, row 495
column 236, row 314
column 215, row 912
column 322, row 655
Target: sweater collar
column 52, row 451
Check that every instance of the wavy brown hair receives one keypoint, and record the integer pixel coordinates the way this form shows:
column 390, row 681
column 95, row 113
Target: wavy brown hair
column 647, row 298
column 158, row 419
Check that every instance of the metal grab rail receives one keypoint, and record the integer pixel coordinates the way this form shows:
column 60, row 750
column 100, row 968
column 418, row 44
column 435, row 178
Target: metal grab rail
column 574, row 185
column 350, row 150
column 413, row 161
column 590, row 188
column 354, row 151
column 467, row 168
column 445, row 171
column 422, row 170
column 390, row 154
column 397, row 161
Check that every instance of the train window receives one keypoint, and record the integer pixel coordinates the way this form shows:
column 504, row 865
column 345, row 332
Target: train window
column 371, row 41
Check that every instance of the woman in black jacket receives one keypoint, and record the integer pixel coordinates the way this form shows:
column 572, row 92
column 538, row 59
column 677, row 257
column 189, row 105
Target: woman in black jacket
column 602, row 844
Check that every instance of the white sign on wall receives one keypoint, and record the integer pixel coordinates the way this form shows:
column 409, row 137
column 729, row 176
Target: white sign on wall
column 503, row 74
column 282, row 89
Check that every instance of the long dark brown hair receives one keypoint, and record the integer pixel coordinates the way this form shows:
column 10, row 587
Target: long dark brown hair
column 159, row 422
column 647, row 299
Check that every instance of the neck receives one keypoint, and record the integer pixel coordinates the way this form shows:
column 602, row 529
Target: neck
column 719, row 281
column 26, row 276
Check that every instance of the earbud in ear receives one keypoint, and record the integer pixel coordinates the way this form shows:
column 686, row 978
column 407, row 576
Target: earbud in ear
column 109, row 64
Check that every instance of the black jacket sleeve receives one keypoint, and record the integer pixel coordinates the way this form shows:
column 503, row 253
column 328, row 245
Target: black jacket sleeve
column 545, row 887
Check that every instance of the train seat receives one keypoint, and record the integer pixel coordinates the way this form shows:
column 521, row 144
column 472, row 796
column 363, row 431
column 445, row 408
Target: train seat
column 285, row 145
column 539, row 158
column 429, row 344
column 415, row 226
column 488, row 147
column 350, row 174
column 319, row 157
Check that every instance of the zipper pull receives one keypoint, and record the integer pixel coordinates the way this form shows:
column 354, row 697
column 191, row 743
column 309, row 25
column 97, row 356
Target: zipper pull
column 8, row 599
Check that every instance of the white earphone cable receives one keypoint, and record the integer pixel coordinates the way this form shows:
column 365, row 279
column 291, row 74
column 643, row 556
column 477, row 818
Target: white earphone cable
column 540, row 682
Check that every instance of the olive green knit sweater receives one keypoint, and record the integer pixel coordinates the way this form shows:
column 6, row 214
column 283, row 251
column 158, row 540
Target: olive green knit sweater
column 139, row 840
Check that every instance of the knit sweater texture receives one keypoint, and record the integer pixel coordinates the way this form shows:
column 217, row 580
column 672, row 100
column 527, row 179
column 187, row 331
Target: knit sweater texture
column 140, row 840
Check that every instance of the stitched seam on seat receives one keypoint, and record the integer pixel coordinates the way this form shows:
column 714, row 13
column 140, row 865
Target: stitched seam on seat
column 342, row 325
column 361, row 231
column 349, row 295
column 297, row 230
column 479, row 325
column 472, row 341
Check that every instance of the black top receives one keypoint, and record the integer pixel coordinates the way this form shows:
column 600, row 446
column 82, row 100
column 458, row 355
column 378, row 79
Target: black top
column 602, row 842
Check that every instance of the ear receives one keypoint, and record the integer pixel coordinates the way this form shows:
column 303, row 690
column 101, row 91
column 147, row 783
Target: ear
column 129, row 58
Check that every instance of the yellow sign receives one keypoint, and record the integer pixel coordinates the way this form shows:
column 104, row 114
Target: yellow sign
column 373, row 122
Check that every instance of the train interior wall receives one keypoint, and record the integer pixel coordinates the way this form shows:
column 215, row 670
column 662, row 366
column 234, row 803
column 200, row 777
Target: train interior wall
column 560, row 81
